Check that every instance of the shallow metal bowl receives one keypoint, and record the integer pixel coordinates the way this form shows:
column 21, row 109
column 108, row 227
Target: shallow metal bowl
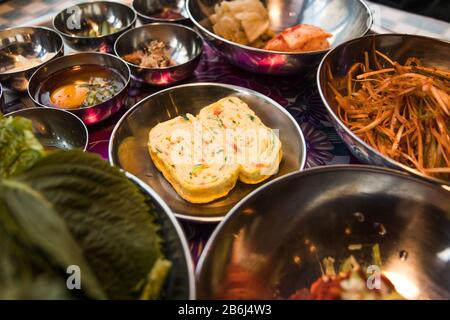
column 128, row 144
column 93, row 114
column 272, row 242
column 56, row 128
column 181, row 279
column 345, row 19
column 183, row 43
column 431, row 52
column 30, row 42
column 146, row 10
column 80, row 18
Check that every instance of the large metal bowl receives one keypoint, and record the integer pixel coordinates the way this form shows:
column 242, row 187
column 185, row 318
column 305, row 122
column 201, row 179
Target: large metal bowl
column 146, row 9
column 33, row 42
column 71, row 21
column 184, row 45
column 181, row 280
column 93, row 114
column 345, row 19
column 128, row 145
column 56, row 128
column 432, row 52
column 271, row 243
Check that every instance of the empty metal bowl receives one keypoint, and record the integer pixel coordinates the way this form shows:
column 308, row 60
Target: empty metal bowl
column 271, row 244
column 183, row 43
column 149, row 11
column 128, row 144
column 345, row 19
column 432, row 52
column 55, row 128
column 26, row 42
column 180, row 283
column 108, row 19
column 96, row 113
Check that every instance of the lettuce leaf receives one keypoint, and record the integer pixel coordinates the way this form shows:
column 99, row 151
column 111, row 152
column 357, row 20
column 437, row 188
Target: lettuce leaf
column 19, row 148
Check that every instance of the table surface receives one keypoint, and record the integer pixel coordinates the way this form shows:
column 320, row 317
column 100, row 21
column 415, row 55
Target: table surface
column 297, row 94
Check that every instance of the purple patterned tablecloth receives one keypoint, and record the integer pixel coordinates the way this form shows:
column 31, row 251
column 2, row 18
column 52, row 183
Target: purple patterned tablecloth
column 297, row 94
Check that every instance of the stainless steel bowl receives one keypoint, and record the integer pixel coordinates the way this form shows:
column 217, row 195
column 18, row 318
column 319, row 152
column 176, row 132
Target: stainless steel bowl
column 128, row 144
column 271, row 243
column 181, row 279
column 146, row 10
column 399, row 47
column 94, row 114
column 345, row 19
column 80, row 18
column 2, row 100
column 183, row 43
column 30, row 42
column 55, row 128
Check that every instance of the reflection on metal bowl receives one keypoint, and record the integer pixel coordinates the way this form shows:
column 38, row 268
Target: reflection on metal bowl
column 56, row 128
column 30, row 43
column 345, row 19
column 273, row 242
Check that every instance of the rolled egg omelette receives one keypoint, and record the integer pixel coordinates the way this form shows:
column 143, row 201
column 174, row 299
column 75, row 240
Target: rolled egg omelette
column 203, row 156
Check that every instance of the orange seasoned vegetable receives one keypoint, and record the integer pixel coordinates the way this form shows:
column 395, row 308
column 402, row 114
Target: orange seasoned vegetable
column 403, row 111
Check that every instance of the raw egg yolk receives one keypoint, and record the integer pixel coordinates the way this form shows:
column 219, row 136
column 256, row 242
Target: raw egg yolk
column 70, row 96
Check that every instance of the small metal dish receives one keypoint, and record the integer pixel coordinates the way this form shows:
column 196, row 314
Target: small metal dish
column 345, row 19
column 56, row 128
column 73, row 22
column 93, row 114
column 128, row 143
column 273, row 241
column 399, row 47
column 29, row 42
column 147, row 9
column 183, row 43
column 180, row 283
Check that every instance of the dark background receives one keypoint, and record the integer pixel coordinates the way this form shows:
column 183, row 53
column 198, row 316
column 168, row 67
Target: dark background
column 439, row 9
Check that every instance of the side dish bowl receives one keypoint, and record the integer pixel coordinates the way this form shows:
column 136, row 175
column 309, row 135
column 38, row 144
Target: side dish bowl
column 431, row 52
column 128, row 145
column 28, row 42
column 345, row 19
column 94, row 26
column 183, row 44
column 92, row 114
column 272, row 243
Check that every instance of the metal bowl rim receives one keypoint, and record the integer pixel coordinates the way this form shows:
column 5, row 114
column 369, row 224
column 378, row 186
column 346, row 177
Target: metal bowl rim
column 13, row 113
column 275, row 104
column 61, row 48
column 71, row 36
column 245, row 47
column 168, row 212
column 126, row 84
column 200, row 42
column 332, row 113
column 141, row 15
column 299, row 174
